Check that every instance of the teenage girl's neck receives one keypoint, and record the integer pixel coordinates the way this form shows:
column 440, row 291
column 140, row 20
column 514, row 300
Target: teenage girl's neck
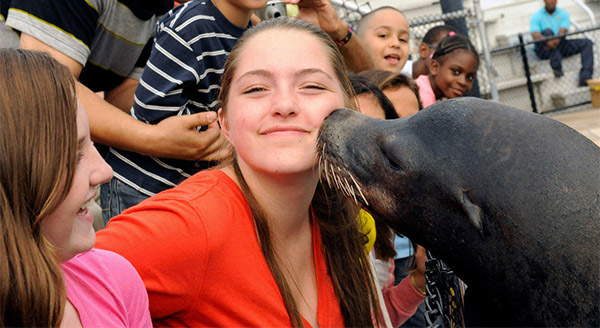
column 236, row 15
column 285, row 200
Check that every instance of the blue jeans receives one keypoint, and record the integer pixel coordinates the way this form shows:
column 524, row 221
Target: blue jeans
column 566, row 48
column 116, row 196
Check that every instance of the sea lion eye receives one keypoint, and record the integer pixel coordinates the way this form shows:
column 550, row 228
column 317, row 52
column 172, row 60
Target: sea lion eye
column 388, row 153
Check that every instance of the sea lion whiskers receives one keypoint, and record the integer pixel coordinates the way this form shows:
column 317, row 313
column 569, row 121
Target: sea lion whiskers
column 339, row 176
column 359, row 189
column 338, row 182
column 330, row 169
column 352, row 192
column 325, row 165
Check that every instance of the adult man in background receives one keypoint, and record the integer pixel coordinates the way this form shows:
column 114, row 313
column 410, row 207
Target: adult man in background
column 554, row 21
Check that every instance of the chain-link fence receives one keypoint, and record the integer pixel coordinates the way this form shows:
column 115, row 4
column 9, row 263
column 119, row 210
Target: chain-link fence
column 502, row 74
column 525, row 78
column 420, row 25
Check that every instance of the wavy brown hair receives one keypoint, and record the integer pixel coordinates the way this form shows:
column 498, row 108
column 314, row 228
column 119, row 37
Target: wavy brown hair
column 38, row 145
column 389, row 80
column 343, row 241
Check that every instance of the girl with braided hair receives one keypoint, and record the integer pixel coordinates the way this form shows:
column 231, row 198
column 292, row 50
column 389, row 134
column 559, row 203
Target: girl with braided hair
column 452, row 70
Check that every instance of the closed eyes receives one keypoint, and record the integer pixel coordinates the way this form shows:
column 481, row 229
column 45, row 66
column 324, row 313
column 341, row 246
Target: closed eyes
column 79, row 157
column 254, row 90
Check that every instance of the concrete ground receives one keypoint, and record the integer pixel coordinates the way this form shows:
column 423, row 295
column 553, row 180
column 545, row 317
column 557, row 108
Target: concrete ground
column 585, row 121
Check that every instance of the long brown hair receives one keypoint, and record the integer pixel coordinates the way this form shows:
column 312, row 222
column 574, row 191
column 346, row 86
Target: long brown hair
column 38, row 145
column 343, row 241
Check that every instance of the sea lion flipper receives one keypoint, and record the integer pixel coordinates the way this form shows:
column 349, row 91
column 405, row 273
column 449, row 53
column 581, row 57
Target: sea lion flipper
column 473, row 212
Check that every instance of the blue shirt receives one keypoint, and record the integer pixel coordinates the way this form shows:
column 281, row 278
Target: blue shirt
column 403, row 247
column 542, row 20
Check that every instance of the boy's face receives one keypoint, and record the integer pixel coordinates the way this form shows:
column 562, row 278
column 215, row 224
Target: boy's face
column 386, row 37
column 247, row 4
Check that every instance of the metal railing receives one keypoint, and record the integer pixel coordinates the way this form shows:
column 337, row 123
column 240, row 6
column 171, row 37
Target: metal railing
column 512, row 75
column 546, row 92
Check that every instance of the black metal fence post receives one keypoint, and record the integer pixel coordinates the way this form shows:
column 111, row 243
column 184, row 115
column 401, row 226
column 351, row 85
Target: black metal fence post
column 527, row 74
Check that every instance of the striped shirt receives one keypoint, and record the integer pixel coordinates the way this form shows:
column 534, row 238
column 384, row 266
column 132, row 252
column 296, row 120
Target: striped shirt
column 8, row 37
column 107, row 37
column 182, row 77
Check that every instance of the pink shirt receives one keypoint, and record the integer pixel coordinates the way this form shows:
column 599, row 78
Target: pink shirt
column 425, row 90
column 106, row 290
column 402, row 301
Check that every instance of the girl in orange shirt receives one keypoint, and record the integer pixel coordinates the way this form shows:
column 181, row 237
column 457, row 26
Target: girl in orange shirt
column 259, row 241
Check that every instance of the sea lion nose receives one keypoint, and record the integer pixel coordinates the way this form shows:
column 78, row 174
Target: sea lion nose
column 346, row 117
column 340, row 113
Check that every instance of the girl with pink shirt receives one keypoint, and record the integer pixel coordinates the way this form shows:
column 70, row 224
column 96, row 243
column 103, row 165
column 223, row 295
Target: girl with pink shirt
column 452, row 70
column 49, row 174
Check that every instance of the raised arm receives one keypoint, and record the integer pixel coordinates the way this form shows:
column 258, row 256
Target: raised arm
column 175, row 137
column 321, row 13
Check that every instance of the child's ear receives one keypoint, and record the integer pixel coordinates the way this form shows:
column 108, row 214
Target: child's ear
column 224, row 124
column 423, row 51
column 434, row 67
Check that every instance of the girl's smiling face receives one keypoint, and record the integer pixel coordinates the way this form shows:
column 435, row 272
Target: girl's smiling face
column 282, row 90
column 454, row 75
column 69, row 228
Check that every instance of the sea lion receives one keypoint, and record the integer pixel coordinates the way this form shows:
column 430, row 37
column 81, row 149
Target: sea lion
column 510, row 200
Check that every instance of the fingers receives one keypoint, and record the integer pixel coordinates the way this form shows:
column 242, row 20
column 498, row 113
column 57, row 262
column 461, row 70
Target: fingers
column 216, row 149
column 420, row 251
column 223, row 150
column 420, row 258
column 178, row 137
column 199, row 119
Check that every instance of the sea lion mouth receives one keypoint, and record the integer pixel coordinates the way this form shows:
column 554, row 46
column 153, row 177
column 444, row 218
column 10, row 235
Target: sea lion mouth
column 337, row 174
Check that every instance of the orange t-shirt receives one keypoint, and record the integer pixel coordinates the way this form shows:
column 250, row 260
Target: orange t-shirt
column 196, row 249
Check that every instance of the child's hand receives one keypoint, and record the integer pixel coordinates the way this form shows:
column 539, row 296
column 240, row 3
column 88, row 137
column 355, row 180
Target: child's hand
column 321, row 13
column 418, row 276
column 177, row 137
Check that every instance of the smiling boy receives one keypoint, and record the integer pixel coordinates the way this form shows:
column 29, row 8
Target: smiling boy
column 384, row 32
